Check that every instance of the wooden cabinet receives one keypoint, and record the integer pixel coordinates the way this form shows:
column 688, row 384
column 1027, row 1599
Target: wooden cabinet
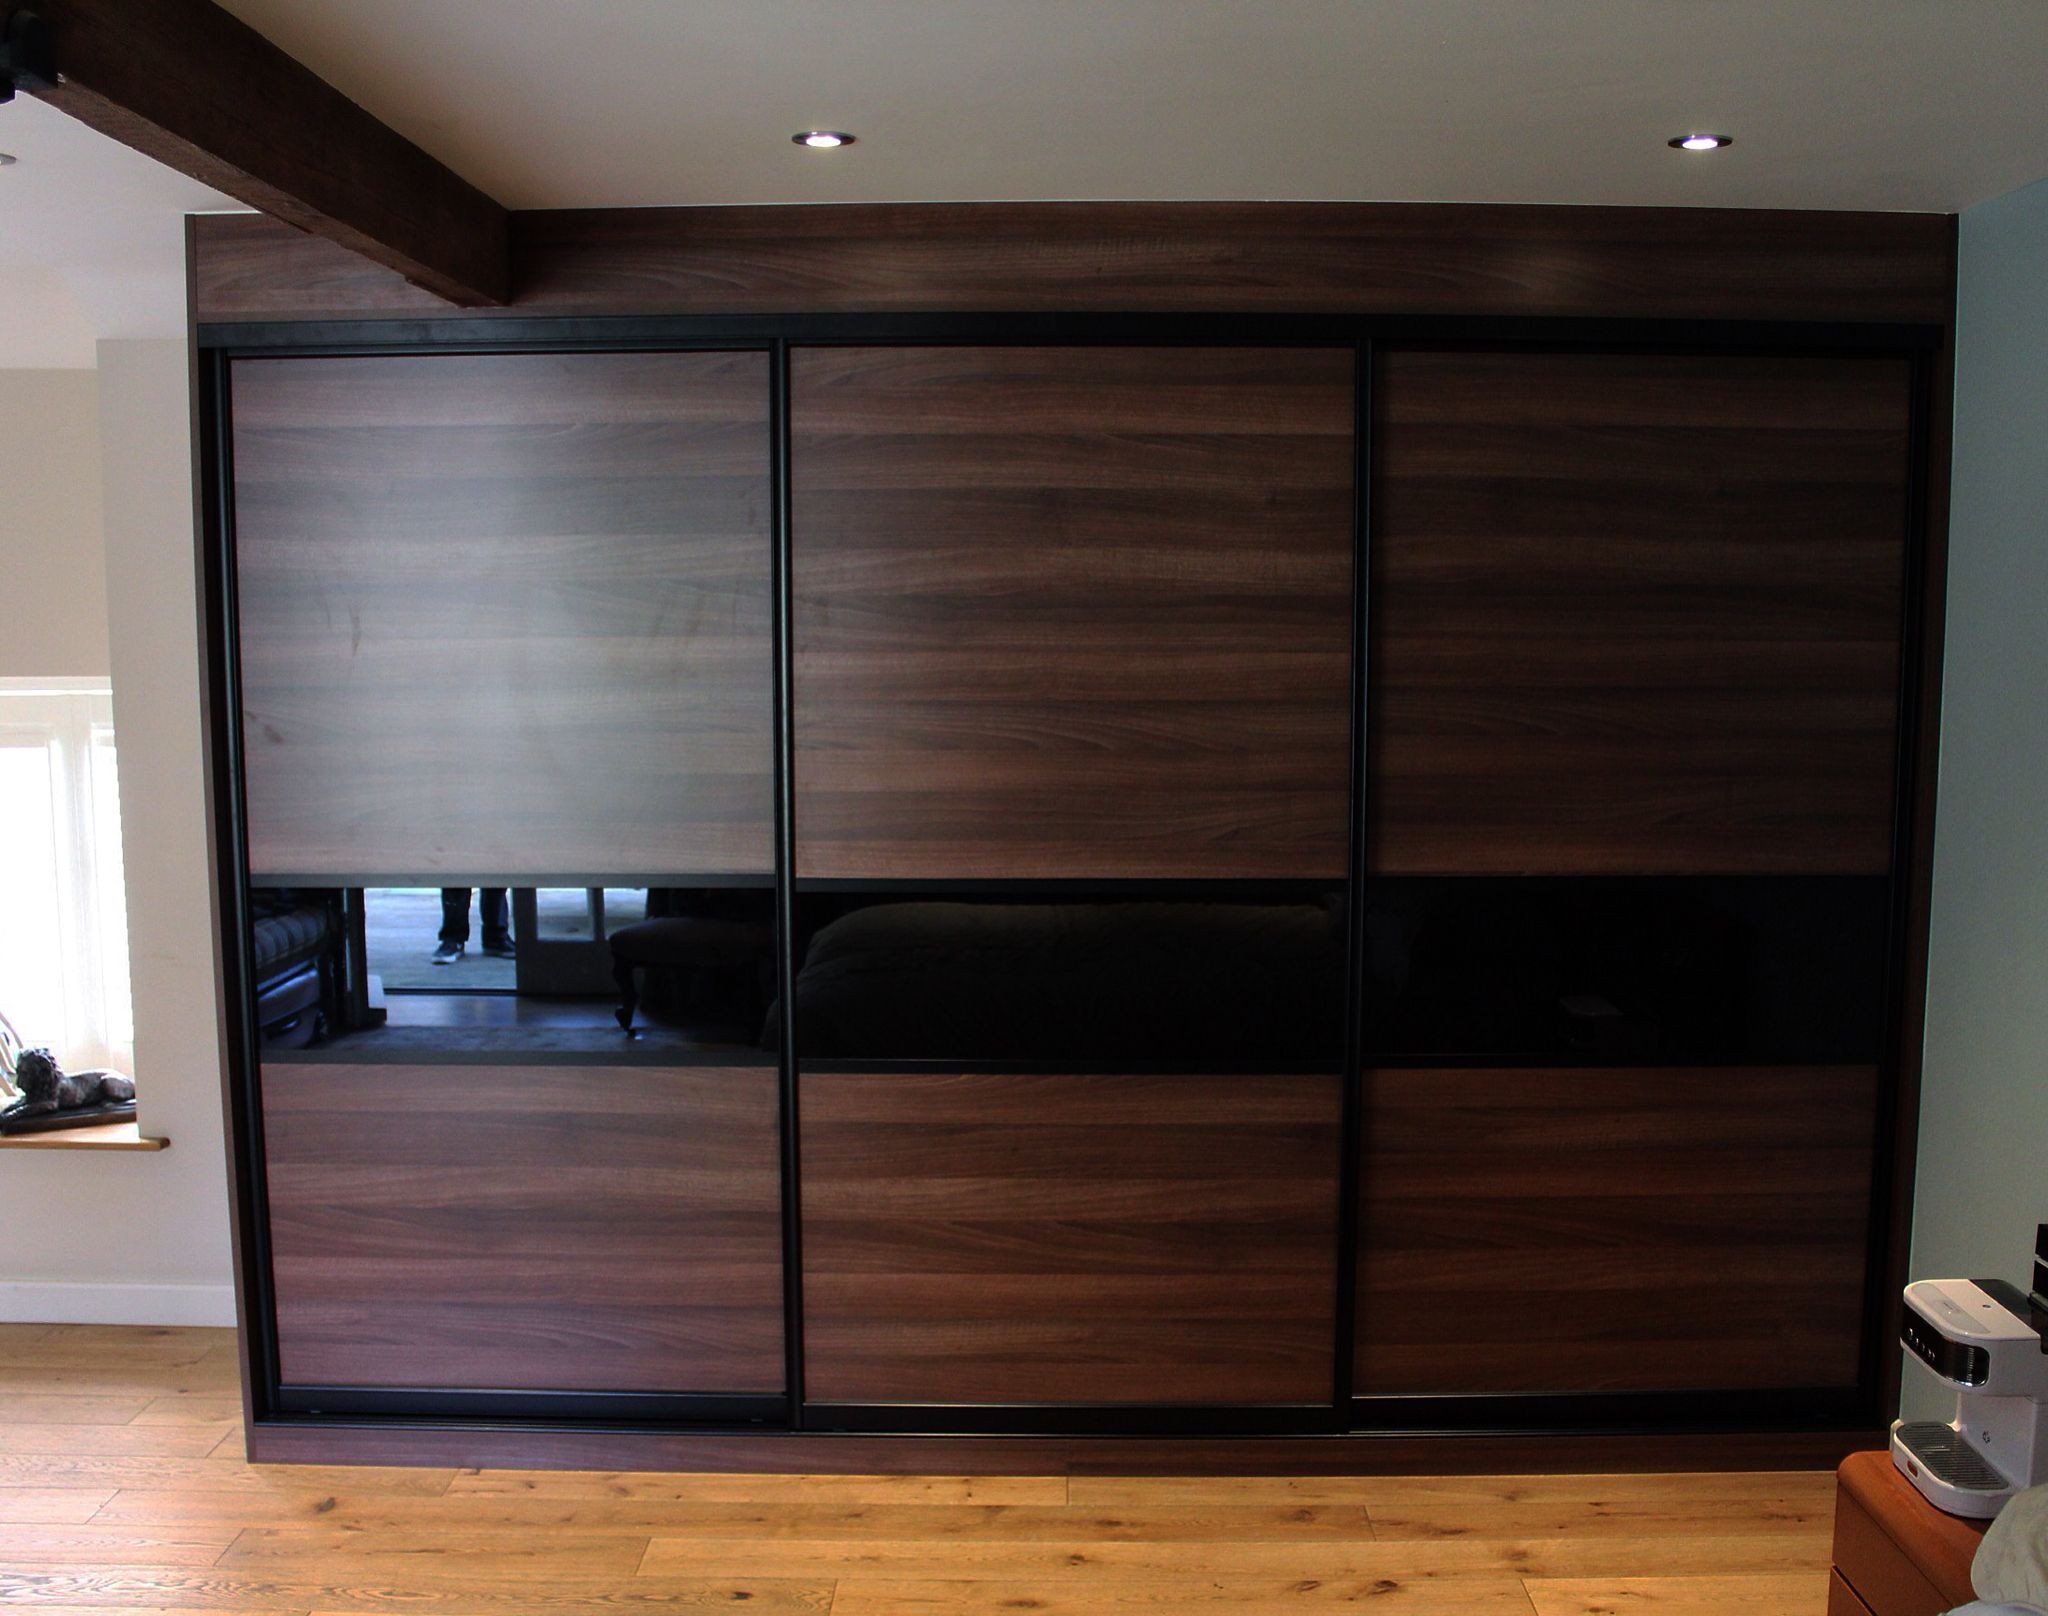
column 504, row 615
column 1109, row 879
column 525, row 1227
column 1069, row 1239
column 1071, row 612
column 1896, row 1554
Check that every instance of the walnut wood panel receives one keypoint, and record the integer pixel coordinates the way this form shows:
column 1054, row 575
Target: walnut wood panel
column 505, row 614
column 830, row 1453
column 1690, row 263
column 1071, row 612
column 1069, row 1239
column 527, row 1228
column 193, row 86
column 1636, row 613
column 1535, row 1230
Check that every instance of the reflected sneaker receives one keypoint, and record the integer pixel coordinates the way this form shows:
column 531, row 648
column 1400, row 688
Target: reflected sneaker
column 501, row 950
column 447, row 953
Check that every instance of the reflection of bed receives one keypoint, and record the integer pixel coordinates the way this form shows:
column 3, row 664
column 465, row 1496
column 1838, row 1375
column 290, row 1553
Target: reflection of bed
column 291, row 955
column 1078, row 981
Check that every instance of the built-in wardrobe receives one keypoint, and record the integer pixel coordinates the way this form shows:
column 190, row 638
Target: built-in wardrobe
column 1255, row 873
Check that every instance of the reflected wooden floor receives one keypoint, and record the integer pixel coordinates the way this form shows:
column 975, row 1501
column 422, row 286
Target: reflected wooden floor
column 122, row 1487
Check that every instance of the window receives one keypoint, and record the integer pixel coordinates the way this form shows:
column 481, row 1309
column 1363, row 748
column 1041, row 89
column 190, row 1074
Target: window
column 63, row 905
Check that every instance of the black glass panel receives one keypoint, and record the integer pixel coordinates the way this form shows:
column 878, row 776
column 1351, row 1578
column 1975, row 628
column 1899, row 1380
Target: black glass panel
column 1722, row 968
column 417, row 972
column 1215, row 975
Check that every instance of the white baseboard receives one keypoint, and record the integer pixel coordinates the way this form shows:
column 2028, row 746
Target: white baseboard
column 30, row 1301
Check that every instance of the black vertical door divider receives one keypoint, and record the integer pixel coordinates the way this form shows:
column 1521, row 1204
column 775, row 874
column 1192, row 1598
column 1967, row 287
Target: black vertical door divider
column 785, row 884
column 1352, row 1131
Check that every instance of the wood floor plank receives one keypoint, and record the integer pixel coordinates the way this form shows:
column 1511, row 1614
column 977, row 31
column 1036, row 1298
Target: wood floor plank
column 343, row 1551
column 724, row 1487
column 1796, row 1594
column 1162, row 1596
column 1809, row 1487
column 342, row 1507
column 345, row 1593
column 116, row 1379
column 36, row 1408
column 200, row 1409
column 214, row 1477
column 59, row 1506
column 35, row 1547
column 1320, row 1559
column 126, row 1440
column 1425, row 1518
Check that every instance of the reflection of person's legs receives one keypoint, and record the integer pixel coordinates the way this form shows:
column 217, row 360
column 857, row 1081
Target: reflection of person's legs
column 454, row 925
column 496, row 915
column 455, row 914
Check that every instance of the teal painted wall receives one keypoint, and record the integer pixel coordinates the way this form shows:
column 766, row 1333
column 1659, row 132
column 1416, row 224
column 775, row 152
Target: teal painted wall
column 1983, row 1171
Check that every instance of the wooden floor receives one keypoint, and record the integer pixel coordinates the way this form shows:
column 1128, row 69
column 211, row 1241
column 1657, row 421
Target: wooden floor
column 122, row 1487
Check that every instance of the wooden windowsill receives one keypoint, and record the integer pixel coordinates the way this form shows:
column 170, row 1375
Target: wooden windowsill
column 107, row 1136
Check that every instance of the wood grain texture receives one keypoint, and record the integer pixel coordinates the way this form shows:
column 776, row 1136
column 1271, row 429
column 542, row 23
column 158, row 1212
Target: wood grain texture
column 1635, row 613
column 845, row 1454
column 1898, row 1553
column 1842, row 1599
column 505, row 614
column 562, row 1229
column 1071, row 612
column 220, row 1536
column 1055, row 1239
column 191, row 85
column 1686, row 263
column 1533, row 1230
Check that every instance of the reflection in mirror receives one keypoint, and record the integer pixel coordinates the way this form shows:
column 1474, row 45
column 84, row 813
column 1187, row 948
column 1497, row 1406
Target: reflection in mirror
column 1625, row 969
column 510, row 969
column 1228, row 975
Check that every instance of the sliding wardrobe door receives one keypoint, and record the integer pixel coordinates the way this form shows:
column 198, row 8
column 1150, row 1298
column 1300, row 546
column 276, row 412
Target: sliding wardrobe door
column 1072, row 612
column 1634, row 729
column 504, row 614
column 1072, row 706
column 504, row 631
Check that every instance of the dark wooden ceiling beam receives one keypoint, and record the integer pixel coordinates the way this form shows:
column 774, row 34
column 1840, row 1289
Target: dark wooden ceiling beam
column 201, row 91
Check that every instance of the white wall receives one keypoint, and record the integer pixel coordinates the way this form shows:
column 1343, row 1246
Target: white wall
column 118, row 1236
column 1983, row 1170
column 53, row 571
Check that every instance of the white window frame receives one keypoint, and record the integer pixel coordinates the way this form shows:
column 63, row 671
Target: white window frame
column 73, row 719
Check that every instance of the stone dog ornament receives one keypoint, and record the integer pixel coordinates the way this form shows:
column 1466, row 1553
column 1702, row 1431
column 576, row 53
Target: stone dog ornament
column 46, row 1087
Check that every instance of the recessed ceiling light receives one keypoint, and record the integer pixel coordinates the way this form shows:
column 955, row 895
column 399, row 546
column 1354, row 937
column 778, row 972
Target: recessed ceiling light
column 1701, row 142
column 823, row 139
column 6, row 158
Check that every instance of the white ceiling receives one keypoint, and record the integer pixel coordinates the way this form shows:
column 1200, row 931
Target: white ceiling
column 92, row 240
column 1890, row 104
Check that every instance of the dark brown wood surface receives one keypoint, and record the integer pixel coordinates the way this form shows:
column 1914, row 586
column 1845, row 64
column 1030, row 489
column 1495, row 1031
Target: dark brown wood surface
column 505, row 614
column 1071, row 612
column 1684, row 263
column 576, row 1228
column 1069, row 1239
column 191, row 85
column 1635, row 613
column 1674, row 1229
column 828, row 1453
